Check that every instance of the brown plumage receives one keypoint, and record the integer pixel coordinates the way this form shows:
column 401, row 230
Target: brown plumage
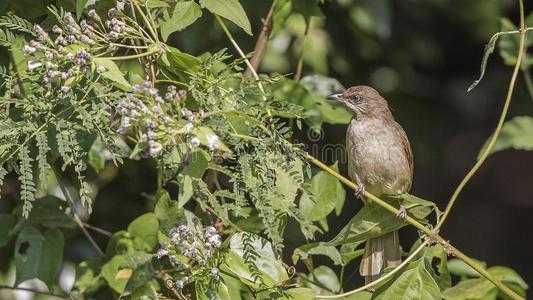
column 379, row 161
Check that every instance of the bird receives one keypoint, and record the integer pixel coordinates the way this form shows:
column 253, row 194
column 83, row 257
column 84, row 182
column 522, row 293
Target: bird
column 380, row 161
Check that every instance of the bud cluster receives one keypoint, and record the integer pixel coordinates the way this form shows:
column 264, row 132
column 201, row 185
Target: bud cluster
column 192, row 250
column 151, row 113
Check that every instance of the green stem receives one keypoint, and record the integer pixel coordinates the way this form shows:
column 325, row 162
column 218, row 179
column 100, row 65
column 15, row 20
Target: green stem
column 498, row 129
column 300, row 64
column 246, row 61
column 148, row 23
column 148, row 53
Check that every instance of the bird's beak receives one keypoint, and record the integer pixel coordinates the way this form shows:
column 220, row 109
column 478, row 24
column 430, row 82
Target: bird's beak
column 336, row 97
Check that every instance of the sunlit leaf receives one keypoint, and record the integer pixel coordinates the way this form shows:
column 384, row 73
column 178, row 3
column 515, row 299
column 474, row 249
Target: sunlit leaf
column 231, row 10
column 183, row 14
column 112, row 72
column 516, row 133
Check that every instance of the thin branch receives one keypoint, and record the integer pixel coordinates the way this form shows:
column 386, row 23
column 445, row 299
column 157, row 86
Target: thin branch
column 262, row 42
column 503, row 115
column 300, row 64
column 98, row 229
column 246, row 61
column 381, row 279
column 7, row 287
column 73, row 209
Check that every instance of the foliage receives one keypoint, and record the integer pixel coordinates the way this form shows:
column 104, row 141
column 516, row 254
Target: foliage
column 98, row 82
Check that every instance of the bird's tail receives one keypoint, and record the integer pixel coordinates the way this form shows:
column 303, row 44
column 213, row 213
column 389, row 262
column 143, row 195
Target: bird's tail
column 380, row 252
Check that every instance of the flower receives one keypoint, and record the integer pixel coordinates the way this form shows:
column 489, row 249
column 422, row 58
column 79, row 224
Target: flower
column 214, row 271
column 101, row 69
column 155, row 148
column 195, row 142
column 161, row 252
column 27, row 49
column 213, row 142
column 188, row 127
column 32, row 65
column 179, row 284
column 65, row 89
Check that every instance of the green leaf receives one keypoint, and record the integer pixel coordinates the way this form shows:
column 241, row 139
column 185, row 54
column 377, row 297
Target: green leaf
column 509, row 43
column 326, row 193
column 231, row 10
column 167, row 211
column 185, row 189
column 110, row 271
column 469, row 289
column 508, row 275
column 112, row 73
column 286, row 184
column 289, row 294
column 6, row 225
column 38, row 255
column 198, row 163
column 413, row 283
column 177, row 63
column 373, row 220
column 460, row 268
column 49, row 211
column 303, row 252
column 88, row 278
column 516, row 134
column 80, row 5
column 203, row 132
column 437, row 259
column 327, row 278
column 182, row 15
column 144, row 231
column 270, row 268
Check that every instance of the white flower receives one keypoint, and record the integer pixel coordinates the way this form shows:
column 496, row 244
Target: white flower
column 32, row 65
column 195, row 142
column 65, row 89
column 161, row 252
column 101, row 69
column 188, row 127
column 179, row 284
column 27, row 49
column 155, row 148
column 213, row 141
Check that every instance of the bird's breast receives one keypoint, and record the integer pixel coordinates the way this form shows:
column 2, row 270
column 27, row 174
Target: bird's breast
column 377, row 154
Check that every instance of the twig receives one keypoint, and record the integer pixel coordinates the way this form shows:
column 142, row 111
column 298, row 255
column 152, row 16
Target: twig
column 98, row 229
column 7, row 287
column 246, row 61
column 300, row 64
column 262, row 42
column 503, row 115
column 73, row 209
column 382, row 278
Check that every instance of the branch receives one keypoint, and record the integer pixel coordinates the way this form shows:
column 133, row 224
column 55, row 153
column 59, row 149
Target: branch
column 262, row 42
column 73, row 209
column 503, row 115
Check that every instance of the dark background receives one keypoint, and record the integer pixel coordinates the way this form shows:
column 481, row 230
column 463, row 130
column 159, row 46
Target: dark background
column 422, row 56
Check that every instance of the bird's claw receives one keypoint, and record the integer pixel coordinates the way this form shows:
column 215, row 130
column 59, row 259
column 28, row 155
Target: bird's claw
column 402, row 213
column 360, row 191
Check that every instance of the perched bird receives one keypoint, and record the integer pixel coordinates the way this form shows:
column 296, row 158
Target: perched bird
column 380, row 161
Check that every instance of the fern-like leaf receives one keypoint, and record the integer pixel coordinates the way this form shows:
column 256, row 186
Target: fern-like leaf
column 44, row 168
column 27, row 186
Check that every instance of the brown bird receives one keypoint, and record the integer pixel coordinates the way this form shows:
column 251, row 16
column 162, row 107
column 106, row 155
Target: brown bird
column 380, row 161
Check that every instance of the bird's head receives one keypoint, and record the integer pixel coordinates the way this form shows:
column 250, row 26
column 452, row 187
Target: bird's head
column 362, row 101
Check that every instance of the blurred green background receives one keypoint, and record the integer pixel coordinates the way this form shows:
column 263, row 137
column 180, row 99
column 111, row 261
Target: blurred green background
column 421, row 56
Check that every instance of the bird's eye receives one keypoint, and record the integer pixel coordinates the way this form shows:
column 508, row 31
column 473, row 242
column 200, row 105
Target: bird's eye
column 356, row 97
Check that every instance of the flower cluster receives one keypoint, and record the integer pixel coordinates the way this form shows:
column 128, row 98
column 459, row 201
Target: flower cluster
column 192, row 250
column 151, row 113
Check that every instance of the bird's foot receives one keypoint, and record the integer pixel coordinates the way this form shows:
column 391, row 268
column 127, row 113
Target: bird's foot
column 360, row 192
column 402, row 213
